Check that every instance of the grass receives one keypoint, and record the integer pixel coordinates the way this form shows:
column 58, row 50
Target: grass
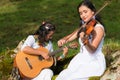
column 18, row 18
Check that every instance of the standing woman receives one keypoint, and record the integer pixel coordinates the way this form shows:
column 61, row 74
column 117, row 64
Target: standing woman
column 90, row 61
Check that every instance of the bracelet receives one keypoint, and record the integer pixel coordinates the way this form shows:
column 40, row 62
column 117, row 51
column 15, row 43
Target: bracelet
column 62, row 56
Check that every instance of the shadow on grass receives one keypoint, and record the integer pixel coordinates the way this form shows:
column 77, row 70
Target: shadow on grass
column 61, row 65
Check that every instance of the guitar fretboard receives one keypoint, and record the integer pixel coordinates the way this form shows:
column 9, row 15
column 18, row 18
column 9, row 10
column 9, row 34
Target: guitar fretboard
column 57, row 51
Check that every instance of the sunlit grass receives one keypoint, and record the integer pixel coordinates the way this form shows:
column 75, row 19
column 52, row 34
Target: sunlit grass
column 18, row 18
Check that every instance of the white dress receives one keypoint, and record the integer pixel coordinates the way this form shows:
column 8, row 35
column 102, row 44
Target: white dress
column 84, row 64
column 45, row 74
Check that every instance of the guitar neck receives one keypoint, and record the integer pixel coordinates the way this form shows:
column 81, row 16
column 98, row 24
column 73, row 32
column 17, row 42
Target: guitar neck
column 57, row 51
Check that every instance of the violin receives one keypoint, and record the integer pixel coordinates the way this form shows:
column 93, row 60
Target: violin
column 88, row 27
column 88, row 30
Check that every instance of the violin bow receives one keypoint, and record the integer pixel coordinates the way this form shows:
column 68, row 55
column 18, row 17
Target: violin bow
column 106, row 3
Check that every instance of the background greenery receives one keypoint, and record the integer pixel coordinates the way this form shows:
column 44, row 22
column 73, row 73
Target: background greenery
column 18, row 18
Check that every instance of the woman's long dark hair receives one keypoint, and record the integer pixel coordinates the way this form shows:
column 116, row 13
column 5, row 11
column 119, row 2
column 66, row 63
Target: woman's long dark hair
column 88, row 4
column 44, row 30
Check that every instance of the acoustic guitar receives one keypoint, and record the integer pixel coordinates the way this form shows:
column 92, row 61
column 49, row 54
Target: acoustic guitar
column 31, row 65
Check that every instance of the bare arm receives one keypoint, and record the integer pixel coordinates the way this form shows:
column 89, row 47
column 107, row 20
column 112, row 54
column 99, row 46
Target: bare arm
column 33, row 51
column 68, row 38
column 98, row 33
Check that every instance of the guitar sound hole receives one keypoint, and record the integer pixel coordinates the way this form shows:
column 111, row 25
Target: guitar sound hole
column 41, row 58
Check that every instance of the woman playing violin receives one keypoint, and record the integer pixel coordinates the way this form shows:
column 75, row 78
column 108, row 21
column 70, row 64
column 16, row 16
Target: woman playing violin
column 90, row 61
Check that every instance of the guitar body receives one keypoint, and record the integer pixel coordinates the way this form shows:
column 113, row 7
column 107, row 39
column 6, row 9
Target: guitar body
column 31, row 65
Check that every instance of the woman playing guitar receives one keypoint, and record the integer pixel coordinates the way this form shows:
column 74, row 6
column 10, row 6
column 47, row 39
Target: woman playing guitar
column 34, row 56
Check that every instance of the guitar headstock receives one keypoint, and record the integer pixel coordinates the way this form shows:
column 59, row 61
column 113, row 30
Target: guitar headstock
column 74, row 45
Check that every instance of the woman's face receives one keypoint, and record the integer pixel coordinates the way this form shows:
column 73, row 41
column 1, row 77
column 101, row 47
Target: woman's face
column 49, row 36
column 85, row 13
